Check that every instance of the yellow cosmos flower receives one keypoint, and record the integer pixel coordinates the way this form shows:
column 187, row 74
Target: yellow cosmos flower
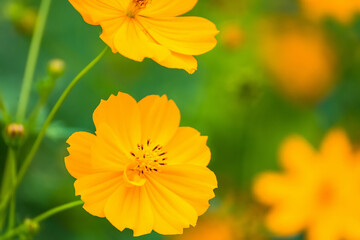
column 319, row 192
column 141, row 170
column 211, row 228
column 342, row 10
column 301, row 61
column 141, row 29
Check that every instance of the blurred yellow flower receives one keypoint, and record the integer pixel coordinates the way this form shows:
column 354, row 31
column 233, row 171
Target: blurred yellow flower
column 232, row 36
column 141, row 29
column 211, row 228
column 141, row 170
column 319, row 192
column 342, row 10
column 301, row 62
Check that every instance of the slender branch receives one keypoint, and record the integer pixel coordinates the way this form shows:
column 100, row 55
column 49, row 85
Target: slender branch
column 32, row 59
column 23, row 228
column 56, row 210
column 49, row 119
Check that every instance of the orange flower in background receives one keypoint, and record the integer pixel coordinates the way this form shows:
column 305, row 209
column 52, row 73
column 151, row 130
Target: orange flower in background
column 141, row 170
column 342, row 10
column 319, row 192
column 301, row 61
column 141, row 29
column 212, row 228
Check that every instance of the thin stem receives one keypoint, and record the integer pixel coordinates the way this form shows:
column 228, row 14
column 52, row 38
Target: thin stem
column 32, row 59
column 56, row 210
column 49, row 119
column 22, row 228
column 5, row 114
column 8, row 182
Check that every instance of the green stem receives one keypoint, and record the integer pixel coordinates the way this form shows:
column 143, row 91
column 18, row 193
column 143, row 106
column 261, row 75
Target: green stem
column 22, row 228
column 8, row 182
column 49, row 119
column 32, row 59
column 55, row 210
column 6, row 116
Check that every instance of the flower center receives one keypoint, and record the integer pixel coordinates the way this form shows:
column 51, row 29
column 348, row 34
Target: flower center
column 147, row 158
column 135, row 6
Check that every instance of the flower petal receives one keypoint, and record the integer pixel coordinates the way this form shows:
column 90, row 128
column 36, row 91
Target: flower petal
column 95, row 11
column 130, row 208
column 296, row 154
column 194, row 184
column 160, row 119
column 336, row 147
column 120, row 113
column 171, row 212
column 95, row 189
column 78, row 163
column 168, row 8
column 110, row 28
column 270, row 188
column 185, row 35
column 187, row 146
column 132, row 41
column 179, row 61
column 285, row 219
column 109, row 152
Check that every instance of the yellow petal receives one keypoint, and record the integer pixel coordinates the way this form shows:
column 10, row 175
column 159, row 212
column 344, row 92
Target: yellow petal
column 78, row 163
column 296, row 154
column 185, row 35
column 132, row 41
column 110, row 28
column 168, row 8
column 336, row 147
column 325, row 228
column 179, row 61
column 95, row 11
column 194, row 184
column 120, row 113
column 187, row 146
column 109, row 153
column 270, row 188
column 286, row 220
column 171, row 212
column 130, row 208
column 160, row 119
column 96, row 188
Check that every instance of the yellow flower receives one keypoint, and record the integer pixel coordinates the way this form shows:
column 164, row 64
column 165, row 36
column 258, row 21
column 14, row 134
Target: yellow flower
column 342, row 10
column 319, row 192
column 141, row 170
column 141, row 29
column 301, row 62
column 211, row 228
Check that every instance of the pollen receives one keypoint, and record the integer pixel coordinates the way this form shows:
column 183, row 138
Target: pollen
column 135, row 6
column 148, row 158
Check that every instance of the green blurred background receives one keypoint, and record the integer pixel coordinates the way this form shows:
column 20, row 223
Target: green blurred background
column 233, row 98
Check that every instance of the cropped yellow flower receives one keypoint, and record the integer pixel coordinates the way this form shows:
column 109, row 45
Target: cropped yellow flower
column 301, row 61
column 342, row 10
column 211, row 228
column 319, row 192
column 141, row 29
column 141, row 170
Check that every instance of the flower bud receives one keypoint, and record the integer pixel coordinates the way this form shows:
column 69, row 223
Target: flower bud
column 56, row 67
column 23, row 17
column 32, row 227
column 232, row 36
column 14, row 134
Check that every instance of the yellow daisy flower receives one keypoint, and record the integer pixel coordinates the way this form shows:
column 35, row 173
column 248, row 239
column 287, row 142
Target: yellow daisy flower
column 319, row 192
column 301, row 61
column 342, row 10
column 141, row 170
column 141, row 29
